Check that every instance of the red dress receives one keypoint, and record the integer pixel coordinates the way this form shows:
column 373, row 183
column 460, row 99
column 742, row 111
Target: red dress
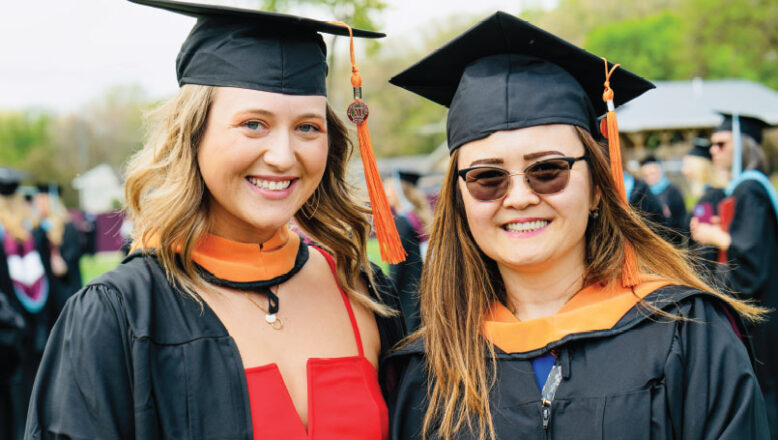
column 344, row 398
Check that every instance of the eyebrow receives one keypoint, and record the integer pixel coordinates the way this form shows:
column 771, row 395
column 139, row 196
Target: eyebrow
column 268, row 113
column 541, row 154
column 491, row 161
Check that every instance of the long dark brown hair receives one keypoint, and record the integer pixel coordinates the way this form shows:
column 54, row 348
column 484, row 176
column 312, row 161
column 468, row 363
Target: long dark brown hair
column 460, row 283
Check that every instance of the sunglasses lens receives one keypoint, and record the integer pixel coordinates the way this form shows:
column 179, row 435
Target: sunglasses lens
column 548, row 176
column 487, row 183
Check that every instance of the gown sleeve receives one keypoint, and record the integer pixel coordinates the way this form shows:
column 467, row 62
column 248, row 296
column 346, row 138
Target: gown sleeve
column 713, row 391
column 753, row 232
column 83, row 386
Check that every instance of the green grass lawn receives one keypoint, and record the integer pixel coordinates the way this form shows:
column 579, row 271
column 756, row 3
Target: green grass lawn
column 94, row 266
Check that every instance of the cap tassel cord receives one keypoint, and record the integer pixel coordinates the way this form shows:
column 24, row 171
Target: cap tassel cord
column 388, row 239
column 610, row 128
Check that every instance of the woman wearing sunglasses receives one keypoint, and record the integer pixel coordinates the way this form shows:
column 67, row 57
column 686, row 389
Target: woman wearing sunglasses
column 549, row 309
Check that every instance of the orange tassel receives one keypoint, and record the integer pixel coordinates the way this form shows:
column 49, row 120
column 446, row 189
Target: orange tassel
column 388, row 239
column 629, row 267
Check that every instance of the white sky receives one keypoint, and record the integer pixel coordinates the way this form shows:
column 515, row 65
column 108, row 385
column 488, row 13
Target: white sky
column 60, row 54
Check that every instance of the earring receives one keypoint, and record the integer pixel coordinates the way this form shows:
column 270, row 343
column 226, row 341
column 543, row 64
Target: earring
column 315, row 194
column 594, row 213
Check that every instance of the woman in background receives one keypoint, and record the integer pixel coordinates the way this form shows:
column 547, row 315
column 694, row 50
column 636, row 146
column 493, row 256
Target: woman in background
column 747, row 242
column 706, row 186
column 413, row 219
column 65, row 245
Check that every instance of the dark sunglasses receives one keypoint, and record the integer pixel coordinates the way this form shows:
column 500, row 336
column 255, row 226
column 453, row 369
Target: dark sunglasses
column 543, row 177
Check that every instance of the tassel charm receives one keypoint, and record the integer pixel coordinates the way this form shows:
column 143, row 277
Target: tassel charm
column 388, row 239
column 610, row 128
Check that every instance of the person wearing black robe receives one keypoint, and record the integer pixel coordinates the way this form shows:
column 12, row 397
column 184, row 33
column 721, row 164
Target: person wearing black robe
column 647, row 204
column 748, row 245
column 133, row 358
column 12, row 327
column 669, row 196
column 26, row 272
column 406, row 275
column 549, row 310
column 66, row 248
column 700, row 173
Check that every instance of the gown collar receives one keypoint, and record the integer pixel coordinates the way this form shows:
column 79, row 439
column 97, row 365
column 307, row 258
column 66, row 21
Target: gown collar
column 595, row 307
column 233, row 264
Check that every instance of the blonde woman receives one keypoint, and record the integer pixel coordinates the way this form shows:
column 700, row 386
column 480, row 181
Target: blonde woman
column 222, row 323
column 65, row 245
column 24, row 281
column 549, row 309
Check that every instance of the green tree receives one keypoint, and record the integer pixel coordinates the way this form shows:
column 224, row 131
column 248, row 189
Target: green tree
column 652, row 45
column 733, row 38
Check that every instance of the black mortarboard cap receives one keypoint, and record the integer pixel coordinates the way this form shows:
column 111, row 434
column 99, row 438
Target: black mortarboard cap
column 749, row 125
column 505, row 73
column 649, row 159
column 701, row 148
column 52, row 188
column 9, row 180
column 411, row 177
column 251, row 49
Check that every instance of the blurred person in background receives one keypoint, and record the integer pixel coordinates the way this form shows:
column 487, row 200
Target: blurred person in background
column 549, row 308
column 413, row 218
column 11, row 321
column 222, row 323
column 745, row 232
column 706, row 186
column 65, row 245
column 669, row 196
column 25, row 262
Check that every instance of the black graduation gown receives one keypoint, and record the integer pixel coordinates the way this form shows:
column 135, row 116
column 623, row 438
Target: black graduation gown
column 407, row 274
column 752, row 273
column 132, row 358
column 648, row 205
column 32, row 338
column 11, row 330
column 706, row 256
column 674, row 211
column 645, row 378
column 63, row 287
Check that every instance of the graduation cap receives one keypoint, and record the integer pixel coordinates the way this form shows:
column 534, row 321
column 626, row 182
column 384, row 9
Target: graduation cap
column 279, row 53
column 649, row 159
column 740, row 124
column 52, row 188
column 252, row 49
column 749, row 125
column 9, row 180
column 701, row 148
column 505, row 74
column 411, row 177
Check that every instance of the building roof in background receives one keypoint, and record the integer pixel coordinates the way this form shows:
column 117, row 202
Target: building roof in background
column 696, row 103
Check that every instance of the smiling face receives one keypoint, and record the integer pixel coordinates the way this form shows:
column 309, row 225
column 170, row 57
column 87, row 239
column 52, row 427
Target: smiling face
column 261, row 157
column 525, row 231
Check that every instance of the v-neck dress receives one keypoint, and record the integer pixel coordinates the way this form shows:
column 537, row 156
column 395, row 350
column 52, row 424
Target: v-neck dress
column 344, row 396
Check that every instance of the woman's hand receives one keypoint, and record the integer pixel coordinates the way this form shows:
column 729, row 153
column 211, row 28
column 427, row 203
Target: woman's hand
column 710, row 233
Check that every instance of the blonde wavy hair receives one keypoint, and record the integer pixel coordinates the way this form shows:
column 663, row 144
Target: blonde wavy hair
column 168, row 202
column 460, row 283
column 58, row 217
column 16, row 217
